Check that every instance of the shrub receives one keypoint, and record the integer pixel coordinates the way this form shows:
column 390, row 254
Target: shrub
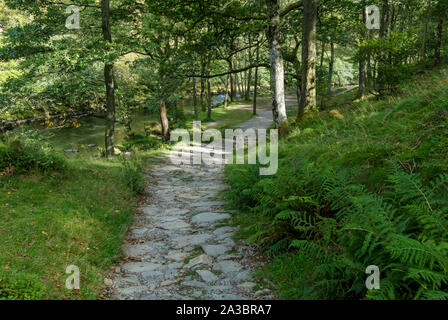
column 19, row 286
column 368, row 189
column 26, row 151
column 142, row 143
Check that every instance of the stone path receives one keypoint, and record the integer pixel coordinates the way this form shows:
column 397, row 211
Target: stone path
column 181, row 246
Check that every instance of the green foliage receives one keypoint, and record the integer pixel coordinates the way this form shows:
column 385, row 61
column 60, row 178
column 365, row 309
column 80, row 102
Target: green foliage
column 20, row 286
column 24, row 151
column 392, row 55
column 132, row 172
column 142, row 143
column 348, row 195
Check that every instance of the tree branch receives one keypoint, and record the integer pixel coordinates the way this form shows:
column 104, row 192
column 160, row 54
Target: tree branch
column 266, row 65
column 291, row 7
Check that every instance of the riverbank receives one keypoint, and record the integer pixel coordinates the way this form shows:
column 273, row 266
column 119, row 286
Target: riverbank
column 76, row 216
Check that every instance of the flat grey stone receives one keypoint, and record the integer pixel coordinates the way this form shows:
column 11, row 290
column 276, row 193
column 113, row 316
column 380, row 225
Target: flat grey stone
column 173, row 225
column 139, row 267
column 214, row 250
column 247, row 286
column 229, row 257
column 152, row 276
column 169, row 282
column 227, row 296
column 207, row 275
column 228, row 242
column 202, row 259
column 176, row 212
column 130, row 280
column 194, row 283
column 193, row 240
column 152, row 209
column 261, row 293
column 133, row 291
column 208, row 203
column 175, row 255
column 227, row 266
column 243, row 276
column 136, row 250
column 209, row 217
column 223, row 230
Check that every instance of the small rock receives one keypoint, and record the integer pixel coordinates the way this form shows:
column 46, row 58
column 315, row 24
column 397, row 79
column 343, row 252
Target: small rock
column 92, row 145
column 108, row 282
column 214, row 250
column 169, row 282
column 261, row 293
column 71, row 150
column 243, row 276
column 227, row 266
column 194, row 283
column 174, row 225
column 247, row 285
column 202, row 259
column 209, row 217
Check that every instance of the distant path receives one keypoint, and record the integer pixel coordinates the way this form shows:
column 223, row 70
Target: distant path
column 346, row 89
column 262, row 120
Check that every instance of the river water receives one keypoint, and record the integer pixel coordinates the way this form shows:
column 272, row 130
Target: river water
column 91, row 130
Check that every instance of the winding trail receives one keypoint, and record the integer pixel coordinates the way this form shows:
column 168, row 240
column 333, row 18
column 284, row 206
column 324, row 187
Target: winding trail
column 180, row 245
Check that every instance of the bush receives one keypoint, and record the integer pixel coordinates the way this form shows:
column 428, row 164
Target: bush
column 24, row 151
column 143, row 143
column 19, row 286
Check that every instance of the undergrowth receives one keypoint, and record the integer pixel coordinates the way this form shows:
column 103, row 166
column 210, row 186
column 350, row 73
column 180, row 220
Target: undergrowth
column 364, row 184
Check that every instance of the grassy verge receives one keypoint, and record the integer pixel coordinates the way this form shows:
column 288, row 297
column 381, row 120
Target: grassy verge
column 77, row 216
column 51, row 218
column 361, row 183
column 222, row 117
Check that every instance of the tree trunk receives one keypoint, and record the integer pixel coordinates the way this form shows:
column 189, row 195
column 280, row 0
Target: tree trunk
column 362, row 65
column 330, row 68
column 438, row 42
column 202, row 85
column 109, row 81
column 209, row 99
column 249, row 76
column 322, row 54
column 425, row 32
column 232, row 81
column 254, row 109
column 298, row 86
column 362, row 77
column 163, row 120
column 276, row 59
column 195, row 100
column 209, row 92
column 384, row 19
column 249, row 80
column 308, row 101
